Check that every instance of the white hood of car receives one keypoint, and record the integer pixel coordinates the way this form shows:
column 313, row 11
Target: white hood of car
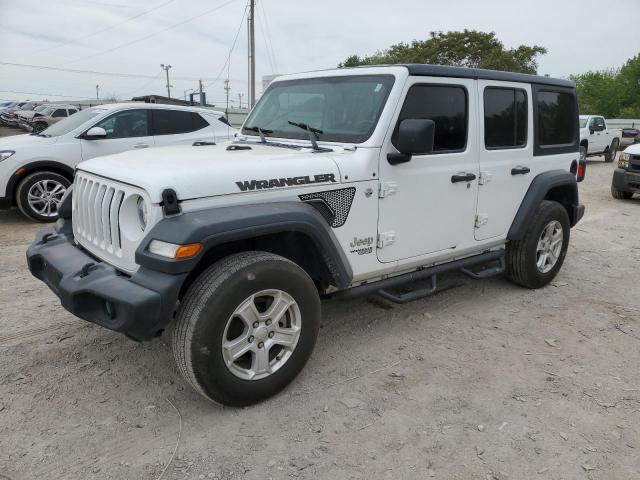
column 16, row 142
column 210, row 170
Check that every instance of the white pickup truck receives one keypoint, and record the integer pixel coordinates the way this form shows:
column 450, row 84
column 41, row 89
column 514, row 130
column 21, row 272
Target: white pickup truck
column 597, row 139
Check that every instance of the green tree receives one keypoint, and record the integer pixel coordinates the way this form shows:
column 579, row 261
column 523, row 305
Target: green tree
column 469, row 48
column 611, row 93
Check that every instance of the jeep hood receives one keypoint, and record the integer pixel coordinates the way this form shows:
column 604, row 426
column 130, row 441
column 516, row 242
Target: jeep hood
column 210, row 170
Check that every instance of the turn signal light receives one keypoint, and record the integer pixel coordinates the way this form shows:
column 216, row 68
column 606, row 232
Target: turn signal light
column 188, row 251
column 176, row 252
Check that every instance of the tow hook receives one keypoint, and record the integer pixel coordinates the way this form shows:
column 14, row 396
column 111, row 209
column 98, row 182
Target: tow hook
column 86, row 269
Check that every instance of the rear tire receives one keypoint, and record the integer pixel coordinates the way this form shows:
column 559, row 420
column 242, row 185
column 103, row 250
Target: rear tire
column 610, row 154
column 39, row 194
column 620, row 194
column 526, row 263
column 226, row 329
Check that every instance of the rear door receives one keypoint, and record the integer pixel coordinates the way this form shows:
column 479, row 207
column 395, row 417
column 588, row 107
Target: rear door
column 180, row 127
column 126, row 130
column 507, row 165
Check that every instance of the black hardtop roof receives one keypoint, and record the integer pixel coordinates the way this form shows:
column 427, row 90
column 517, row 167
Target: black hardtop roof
column 424, row 70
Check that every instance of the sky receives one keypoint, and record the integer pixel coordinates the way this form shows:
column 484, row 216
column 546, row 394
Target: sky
column 195, row 37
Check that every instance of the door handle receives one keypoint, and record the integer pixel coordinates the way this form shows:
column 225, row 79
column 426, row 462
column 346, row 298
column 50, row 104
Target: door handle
column 462, row 177
column 520, row 170
column 141, row 145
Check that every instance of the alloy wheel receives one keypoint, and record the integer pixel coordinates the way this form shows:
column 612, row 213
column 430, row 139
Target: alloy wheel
column 261, row 334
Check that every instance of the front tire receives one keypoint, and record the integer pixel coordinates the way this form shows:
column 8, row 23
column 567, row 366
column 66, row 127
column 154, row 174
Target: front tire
column 38, row 196
column 535, row 260
column 620, row 194
column 246, row 327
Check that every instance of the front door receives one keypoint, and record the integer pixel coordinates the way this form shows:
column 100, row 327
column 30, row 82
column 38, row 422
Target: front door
column 597, row 139
column 426, row 207
column 126, row 130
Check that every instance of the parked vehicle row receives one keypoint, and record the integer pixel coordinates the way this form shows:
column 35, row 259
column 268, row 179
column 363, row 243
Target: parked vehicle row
column 34, row 117
column 36, row 169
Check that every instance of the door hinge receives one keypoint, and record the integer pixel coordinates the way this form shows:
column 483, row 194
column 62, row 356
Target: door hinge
column 485, row 177
column 387, row 188
column 385, row 239
column 481, row 219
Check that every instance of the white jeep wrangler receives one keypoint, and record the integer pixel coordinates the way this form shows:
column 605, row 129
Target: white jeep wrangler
column 341, row 183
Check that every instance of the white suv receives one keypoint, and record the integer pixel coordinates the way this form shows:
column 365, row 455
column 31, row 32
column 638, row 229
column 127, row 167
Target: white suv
column 35, row 170
column 344, row 182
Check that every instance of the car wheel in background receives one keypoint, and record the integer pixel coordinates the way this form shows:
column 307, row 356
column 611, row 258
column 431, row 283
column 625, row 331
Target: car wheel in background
column 39, row 194
column 610, row 154
column 620, row 194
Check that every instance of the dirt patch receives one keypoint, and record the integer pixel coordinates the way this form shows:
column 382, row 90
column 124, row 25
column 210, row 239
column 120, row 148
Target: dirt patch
column 482, row 381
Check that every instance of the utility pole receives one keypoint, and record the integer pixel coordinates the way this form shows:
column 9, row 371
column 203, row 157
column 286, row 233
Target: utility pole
column 227, row 88
column 166, row 69
column 252, row 54
column 98, row 92
column 201, row 93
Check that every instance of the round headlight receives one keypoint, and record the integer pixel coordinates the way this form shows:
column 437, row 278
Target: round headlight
column 142, row 213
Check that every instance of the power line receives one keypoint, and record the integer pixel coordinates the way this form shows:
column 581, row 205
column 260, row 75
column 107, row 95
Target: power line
column 92, row 72
column 268, row 34
column 102, row 30
column 233, row 46
column 206, row 12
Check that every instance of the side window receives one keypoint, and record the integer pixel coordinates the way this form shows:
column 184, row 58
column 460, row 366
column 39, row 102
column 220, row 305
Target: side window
column 444, row 104
column 505, row 118
column 61, row 112
column 174, row 122
column 556, row 118
column 126, row 124
column 72, row 111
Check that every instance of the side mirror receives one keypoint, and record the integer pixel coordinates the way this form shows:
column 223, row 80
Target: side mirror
column 95, row 133
column 591, row 130
column 415, row 137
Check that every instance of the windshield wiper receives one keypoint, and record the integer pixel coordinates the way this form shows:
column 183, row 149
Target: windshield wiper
column 259, row 131
column 313, row 135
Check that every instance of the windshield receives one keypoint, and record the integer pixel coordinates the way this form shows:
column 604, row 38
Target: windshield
column 583, row 122
column 40, row 108
column 345, row 109
column 71, row 123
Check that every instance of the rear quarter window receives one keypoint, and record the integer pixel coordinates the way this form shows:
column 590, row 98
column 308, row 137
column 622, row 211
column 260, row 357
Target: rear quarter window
column 555, row 120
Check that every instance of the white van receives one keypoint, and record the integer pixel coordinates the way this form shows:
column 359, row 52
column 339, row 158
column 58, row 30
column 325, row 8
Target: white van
column 35, row 170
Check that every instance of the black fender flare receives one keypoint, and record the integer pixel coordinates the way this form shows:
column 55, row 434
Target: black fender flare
column 24, row 170
column 538, row 191
column 220, row 225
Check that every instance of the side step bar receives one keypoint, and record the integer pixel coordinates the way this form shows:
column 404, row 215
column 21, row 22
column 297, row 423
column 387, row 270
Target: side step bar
column 464, row 265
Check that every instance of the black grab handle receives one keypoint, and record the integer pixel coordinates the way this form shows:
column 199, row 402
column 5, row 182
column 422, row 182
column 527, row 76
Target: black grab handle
column 462, row 177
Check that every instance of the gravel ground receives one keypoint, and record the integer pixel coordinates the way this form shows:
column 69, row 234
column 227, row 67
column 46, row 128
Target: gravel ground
column 484, row 380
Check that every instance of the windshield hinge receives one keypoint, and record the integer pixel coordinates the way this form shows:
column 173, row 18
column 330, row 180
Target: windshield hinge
column 386, row 189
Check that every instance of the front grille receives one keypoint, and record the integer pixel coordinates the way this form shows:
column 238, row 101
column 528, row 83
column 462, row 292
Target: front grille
column 634, row 163
column 104, row 222
column 95, row 217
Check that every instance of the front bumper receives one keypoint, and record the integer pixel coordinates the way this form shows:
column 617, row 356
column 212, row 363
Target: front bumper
column 626, row 181
column 140, row 306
